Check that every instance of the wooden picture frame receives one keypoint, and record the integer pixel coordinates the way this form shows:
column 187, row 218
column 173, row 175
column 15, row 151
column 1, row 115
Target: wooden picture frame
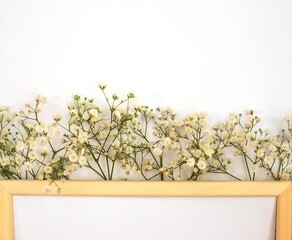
column 281, row 190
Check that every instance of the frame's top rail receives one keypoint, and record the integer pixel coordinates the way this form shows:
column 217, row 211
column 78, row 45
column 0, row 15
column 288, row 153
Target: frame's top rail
column 152, row 188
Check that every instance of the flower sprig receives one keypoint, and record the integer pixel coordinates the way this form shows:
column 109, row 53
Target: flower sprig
column 152, row 143
column 26, row 147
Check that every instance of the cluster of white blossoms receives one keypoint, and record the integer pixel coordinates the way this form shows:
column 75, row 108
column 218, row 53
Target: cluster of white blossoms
column 139, row 140
column 26, row 145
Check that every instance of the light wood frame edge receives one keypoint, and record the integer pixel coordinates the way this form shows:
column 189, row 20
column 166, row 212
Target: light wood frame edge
column 281, row 190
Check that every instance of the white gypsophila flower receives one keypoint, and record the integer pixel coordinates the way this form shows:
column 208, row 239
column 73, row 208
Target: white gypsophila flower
column 128, row 150
column 93, row 112
column 175, row 146
column 207, row 131
column 288, row 118
column 273, row 148
column 260, row 152
column 76, row 96
column 261, row 138
column 267, row 131
column 48, row 169
column 81, row 102
column 41, row 99
column 117, row 115
column 191, row 162
column 201, row 165
column 215, row 163
column 18, row 160
column 83, row 151
column 4, row 161
column 44, row 152
column 131, row 95
column 204, row 114
column 57, row 117
column 254, row 168
column 249, row 135
column 188, row 129
column 284, row 176
column 285, row 147
column 209, row 152
column 202, row 122
column 163, row 123
column 73, row 156
column 3, row 111
column 177, row 123
column 165, row 141
column 72, row 167
column 86, row 116
column 56, row 132
column 198, row 153
column 30, row 127
column 82, row 160
column 151, row 114
column 170, row 110
column 103, row 134
column 268, row 159
column 32, row 155
column 48, row 127
column 115, row 96
column 249, row 117
column 69, row 105
column 157, row 152
column 47, row 189
column 43, row 141
column 241, row 135
column 83, row 137
column 19, row 146
column 163, row 109
column 232, row 119
column 135, row 120
column 33, row 145
column 102, row 86
column 40, row 177
column 27, row 166
column 39, row 128
column 137, row 106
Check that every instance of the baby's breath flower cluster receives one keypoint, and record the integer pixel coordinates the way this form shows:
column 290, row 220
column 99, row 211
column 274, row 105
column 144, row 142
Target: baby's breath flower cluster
column 150, row 143
column 26, row 147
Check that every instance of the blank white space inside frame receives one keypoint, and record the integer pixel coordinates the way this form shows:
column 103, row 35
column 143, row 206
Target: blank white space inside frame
column 109, row 218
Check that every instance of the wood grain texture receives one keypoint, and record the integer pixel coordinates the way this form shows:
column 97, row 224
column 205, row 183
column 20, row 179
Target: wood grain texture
column 284, row 215
column 6, row 214
column 151, row 188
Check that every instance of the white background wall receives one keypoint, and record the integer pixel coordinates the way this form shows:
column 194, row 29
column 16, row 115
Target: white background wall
column 218, row 56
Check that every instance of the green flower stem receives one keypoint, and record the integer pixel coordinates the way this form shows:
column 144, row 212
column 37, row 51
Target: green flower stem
column 154, row 176
column 246, row 165
column 89, row 166
column 96, row 160
column 161, row 165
